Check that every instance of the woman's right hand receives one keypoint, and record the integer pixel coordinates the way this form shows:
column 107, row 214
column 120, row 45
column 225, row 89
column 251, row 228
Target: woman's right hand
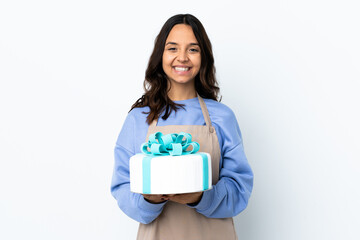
column 155, row 198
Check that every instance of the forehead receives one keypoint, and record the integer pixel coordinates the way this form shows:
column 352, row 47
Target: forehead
column 181, row 33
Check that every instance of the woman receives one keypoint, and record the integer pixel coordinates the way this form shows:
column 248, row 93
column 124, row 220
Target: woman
column 181, row 94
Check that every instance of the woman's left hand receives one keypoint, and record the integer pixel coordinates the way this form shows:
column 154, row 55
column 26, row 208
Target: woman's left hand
column 186, row 198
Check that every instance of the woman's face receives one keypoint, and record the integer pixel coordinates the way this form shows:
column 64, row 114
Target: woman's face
column 181, row 60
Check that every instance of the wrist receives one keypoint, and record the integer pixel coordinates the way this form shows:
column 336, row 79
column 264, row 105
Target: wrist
column 154, row 202
column 196, row 202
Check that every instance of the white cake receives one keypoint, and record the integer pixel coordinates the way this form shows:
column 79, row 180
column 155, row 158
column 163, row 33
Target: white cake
column 170, row 174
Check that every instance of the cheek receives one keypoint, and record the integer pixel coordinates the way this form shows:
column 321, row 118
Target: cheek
column 197, row 62
column 167, row 59
column 196, row 59
column 165, row 63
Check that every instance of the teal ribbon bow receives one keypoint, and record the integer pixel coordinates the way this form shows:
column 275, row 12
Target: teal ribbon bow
column 170, row 144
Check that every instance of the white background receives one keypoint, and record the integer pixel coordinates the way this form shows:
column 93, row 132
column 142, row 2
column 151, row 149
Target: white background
column 70, row 71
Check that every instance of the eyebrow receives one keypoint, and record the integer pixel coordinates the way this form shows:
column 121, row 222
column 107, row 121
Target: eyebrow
column 196, row 44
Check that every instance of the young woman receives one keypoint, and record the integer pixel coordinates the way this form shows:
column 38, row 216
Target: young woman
column 181, row 94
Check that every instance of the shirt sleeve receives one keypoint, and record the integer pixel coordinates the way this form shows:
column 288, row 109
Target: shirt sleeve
column 231, row 193
column 132, row 204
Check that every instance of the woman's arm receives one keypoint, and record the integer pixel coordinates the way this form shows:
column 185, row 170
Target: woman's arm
column 231, row 194
column 132, row 204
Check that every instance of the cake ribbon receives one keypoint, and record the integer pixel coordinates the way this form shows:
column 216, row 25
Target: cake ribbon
column 170, row 144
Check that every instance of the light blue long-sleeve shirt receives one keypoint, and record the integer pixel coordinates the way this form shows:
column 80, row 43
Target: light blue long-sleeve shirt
column 226, row 199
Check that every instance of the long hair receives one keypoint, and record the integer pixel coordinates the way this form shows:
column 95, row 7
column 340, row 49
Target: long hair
column 156, row 82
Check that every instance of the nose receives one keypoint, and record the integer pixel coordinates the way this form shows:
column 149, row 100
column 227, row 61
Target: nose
column 183, row 57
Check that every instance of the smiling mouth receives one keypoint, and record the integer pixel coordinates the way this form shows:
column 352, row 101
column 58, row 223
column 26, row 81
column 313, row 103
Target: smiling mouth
column 182, row 69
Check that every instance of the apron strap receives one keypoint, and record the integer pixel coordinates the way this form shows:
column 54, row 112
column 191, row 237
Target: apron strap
column 203, row 109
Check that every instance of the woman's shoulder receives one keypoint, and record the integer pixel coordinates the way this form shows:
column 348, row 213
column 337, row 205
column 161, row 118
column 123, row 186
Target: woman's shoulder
column 218, row 109
column 139, row 111
column 137, row 116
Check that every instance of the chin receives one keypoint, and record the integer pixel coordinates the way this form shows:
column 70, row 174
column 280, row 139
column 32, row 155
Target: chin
column 182, row 81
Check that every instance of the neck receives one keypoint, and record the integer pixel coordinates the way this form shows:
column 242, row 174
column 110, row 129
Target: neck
column 180, row 92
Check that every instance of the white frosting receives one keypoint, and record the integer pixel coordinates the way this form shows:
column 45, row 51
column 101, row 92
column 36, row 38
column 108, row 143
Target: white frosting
column 170, row 174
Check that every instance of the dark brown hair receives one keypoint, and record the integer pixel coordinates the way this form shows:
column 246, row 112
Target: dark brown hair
column 156, row 83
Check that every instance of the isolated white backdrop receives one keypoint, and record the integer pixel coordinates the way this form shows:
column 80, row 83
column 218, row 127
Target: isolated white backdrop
column 70, row 71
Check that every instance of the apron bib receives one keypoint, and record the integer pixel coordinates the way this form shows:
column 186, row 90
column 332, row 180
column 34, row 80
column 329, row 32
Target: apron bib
column 178, row 221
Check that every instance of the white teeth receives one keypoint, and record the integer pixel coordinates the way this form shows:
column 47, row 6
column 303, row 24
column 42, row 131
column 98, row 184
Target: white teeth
column 181, row 69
